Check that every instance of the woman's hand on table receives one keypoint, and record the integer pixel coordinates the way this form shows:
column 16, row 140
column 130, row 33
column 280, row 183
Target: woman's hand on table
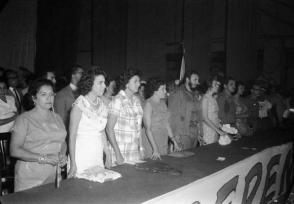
column 178, row 147
column 72, row 171
column 155, row 155
column 119, row 159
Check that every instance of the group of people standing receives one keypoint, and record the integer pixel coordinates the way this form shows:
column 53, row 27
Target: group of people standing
column 96, row 127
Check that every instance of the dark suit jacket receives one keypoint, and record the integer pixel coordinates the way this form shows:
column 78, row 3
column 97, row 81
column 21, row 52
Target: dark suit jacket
column 63, row 102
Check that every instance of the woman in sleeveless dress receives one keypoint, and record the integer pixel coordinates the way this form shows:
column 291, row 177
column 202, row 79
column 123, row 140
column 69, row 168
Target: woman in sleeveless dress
column 38, row 140
column 156, row 116
column 87, row 123
column 211, row 123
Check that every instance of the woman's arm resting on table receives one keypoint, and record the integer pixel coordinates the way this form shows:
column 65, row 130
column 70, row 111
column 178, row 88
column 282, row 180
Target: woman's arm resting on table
column 178, row 145
column 75, row 117
column 147, row 123
column 107, row 151
column 111, row 136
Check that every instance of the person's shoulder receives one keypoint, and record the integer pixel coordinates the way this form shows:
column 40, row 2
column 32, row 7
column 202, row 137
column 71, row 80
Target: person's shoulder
column 205, row 97
column 63, row 94
column 9, row 97
column 64, row 90
column 179, row 91
column 137, row 98
column 119, row 97
column 221, row 96
column 25, row 115
column 57, row 116
column 9, row 93
column 148, row 102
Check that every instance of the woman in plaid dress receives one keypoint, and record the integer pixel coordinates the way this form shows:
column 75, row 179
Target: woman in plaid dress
column 125, row 119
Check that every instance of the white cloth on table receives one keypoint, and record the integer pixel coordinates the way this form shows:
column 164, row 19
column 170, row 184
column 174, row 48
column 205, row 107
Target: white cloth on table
column 99, row 174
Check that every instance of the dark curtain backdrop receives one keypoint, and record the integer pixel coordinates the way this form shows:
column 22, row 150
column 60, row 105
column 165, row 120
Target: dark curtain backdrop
column 18, row 34
column 198, row 29
column 242, row 39
column 109, row 35
column 57, row 34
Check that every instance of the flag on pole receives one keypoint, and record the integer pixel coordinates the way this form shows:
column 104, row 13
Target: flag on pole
column 182, row 71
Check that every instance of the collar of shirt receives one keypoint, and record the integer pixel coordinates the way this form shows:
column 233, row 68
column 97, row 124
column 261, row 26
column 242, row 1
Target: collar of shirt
column 73, row 87
column 12, row 90
column 126, row 98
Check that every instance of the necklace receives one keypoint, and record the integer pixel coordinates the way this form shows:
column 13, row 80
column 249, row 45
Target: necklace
column 95, row 102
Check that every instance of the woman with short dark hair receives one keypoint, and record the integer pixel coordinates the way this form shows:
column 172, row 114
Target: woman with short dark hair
column 88, row 119
column 125, row 119
column 38, row 139
column 156, row 121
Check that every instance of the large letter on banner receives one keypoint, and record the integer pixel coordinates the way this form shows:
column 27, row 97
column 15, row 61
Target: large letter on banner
column 287, row 175
column 226, row 189
column 270, row 179
column 254, row 171
column 255, row 179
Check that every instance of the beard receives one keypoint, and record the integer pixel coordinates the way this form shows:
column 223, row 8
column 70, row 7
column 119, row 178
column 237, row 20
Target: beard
column 191, row 87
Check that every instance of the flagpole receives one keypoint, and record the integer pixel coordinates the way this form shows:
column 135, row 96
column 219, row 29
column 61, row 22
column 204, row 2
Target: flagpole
column 226, row 36
column 183, row 21
column 182, row 70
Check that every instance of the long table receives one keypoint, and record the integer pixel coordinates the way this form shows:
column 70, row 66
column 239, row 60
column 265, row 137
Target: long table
column 138, row 186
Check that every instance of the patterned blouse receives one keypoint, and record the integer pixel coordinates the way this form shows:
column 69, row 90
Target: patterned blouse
column 128, row 126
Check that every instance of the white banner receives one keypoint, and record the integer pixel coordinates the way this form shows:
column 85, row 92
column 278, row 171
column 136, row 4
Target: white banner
column 260, row 178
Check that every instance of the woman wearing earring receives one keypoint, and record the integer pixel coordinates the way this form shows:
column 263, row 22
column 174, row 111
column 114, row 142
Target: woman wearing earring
column 88, row 119
column 156, row 123
column 38, row 140
column 125, row 119
column 211, row 123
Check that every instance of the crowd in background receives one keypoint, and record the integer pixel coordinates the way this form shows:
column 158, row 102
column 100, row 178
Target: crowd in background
column 125, row 119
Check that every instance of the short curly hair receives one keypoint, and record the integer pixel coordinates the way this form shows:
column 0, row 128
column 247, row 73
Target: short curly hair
column 87, row 80
column 126, row 76
column 153, row 85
